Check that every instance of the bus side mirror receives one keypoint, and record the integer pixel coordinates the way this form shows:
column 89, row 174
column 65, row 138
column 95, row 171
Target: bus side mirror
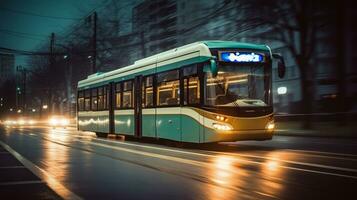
column 281, row 65
column 213, row 67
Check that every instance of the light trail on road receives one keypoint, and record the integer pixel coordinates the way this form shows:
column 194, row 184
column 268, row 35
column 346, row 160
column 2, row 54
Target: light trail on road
column 254, row 172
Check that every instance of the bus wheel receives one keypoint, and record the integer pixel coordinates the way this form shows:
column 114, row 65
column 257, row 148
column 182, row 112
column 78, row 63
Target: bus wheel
column 101, row 135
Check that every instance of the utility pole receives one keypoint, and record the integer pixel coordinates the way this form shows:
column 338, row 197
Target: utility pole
column 94, row 43
column 52, row 44
column 24, row 89
column 51, row 61
column 21, row 92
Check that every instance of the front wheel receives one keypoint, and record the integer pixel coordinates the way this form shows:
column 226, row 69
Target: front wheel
column 101, row 135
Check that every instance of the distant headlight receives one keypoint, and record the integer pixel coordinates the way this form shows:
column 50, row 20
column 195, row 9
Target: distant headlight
column 21, row 122
column 64, row 122
column 53, row 122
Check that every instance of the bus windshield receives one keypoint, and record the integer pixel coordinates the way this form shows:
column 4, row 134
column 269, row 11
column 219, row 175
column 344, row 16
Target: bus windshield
column 237, row 86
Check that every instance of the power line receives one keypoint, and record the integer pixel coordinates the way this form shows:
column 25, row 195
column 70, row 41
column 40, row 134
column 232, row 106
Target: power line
column 23, row 36
column 36, row 15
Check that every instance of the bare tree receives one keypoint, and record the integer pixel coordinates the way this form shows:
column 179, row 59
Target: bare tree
column 293, row 23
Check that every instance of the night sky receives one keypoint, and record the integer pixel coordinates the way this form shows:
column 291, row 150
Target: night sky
column 26, row 24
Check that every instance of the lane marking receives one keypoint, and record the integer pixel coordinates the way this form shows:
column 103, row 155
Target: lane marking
column 237, row 154
column 20, row 183
column 43, row 175
column 324, row 152
column 13, row 167
column 192, row 162
column 199, row 163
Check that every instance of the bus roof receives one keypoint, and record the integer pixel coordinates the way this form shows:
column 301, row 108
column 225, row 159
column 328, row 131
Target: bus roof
column 217, row 44
column 189, row 51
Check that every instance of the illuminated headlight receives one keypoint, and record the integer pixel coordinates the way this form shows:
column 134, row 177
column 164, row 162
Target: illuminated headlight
column 64, row 122
column 21, row 122
column 222, row 127
column 221, row 118
column 53, row 122
column 32, row 122
column 270, row 125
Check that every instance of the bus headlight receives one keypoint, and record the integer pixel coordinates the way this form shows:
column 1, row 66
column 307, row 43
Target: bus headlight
column 270, row 125
column 222, row 127
column 221, row 118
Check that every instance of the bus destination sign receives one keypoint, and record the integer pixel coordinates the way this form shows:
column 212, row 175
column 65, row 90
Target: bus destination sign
column 240, row 57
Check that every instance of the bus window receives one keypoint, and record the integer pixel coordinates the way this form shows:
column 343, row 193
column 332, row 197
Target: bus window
column 118, row 95
column 148, row 92
column 190, row 70
column 100, row 98
column 128, row 94
column 80, row 101
column 94, row 99
column 191, row 91
column 105, row 98
column 168, row 89
column 87, row 100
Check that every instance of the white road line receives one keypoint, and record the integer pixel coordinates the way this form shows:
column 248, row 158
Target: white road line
column 237, row 154
column 324, row 152
column 12, row 167
column 43, row 175
column 20, row 182
column 187, row 161
column 199, row 163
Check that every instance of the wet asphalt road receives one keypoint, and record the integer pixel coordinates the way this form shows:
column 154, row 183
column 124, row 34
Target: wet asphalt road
column 77, row 164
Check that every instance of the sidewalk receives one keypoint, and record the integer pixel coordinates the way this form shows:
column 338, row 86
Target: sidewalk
column 18, row 182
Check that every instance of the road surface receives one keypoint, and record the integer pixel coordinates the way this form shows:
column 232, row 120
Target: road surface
column 77, row 165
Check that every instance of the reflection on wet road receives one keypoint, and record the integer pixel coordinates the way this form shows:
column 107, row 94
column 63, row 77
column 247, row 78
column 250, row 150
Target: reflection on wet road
column 92, row 168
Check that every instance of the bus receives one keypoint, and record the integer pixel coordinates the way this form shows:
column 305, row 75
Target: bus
column 204, row 92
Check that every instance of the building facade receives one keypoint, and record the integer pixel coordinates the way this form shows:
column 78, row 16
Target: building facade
column 7, row 67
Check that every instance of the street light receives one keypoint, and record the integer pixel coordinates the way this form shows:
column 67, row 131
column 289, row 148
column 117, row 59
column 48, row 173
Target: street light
column 45, row 107
column 33, row 110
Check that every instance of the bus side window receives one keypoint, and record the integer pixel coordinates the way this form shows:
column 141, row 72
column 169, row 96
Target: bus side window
column 118, row 95
column 87, row 100
column 80, row 101
column 168, row 88
column 148, row 92
column 105, row 97
column 94, row 99
column 100, row 98
column 191, row 85
column 191, row 90
column 128, row 94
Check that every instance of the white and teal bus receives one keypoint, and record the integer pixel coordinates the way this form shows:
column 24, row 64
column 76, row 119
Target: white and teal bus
column 204, row 92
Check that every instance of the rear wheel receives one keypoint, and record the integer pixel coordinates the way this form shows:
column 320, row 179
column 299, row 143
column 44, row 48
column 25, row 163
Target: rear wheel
column 102, row 135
